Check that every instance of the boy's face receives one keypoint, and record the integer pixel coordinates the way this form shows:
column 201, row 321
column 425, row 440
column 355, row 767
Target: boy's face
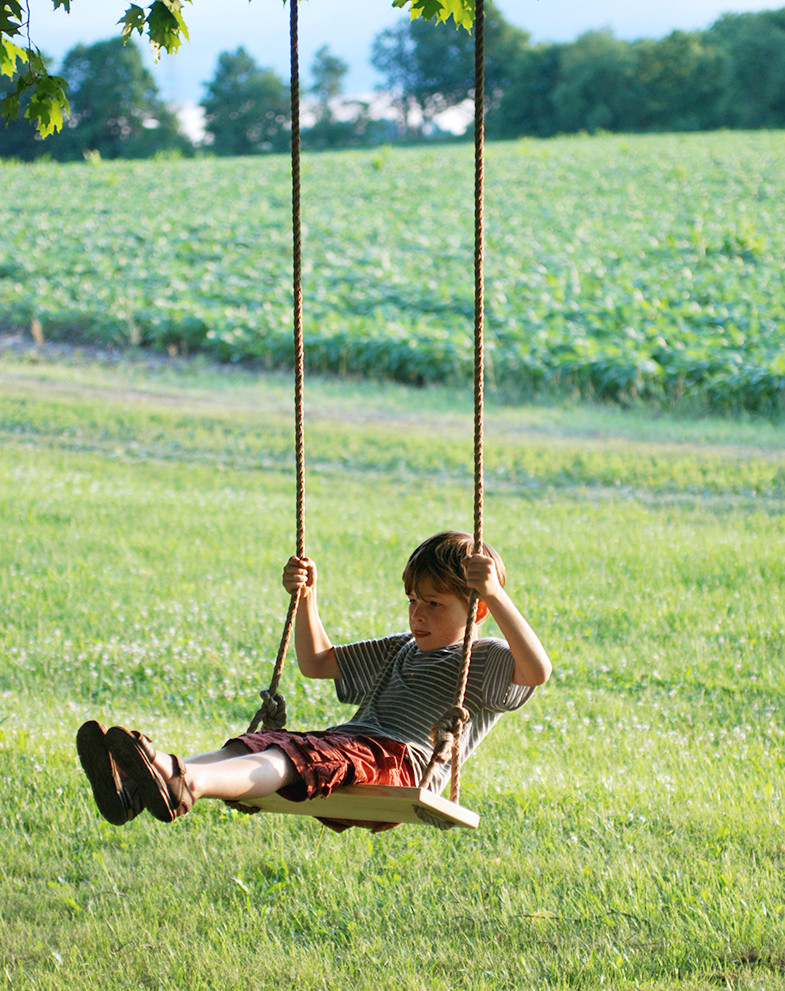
column 436, row 619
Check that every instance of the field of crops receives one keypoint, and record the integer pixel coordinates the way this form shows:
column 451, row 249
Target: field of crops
column 619, row 268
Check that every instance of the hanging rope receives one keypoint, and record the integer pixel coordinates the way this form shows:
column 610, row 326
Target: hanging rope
column 272, row 712
column 446, row 734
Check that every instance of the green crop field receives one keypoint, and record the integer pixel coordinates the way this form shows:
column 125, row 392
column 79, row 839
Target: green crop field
column 617, row 267
column 631, row 832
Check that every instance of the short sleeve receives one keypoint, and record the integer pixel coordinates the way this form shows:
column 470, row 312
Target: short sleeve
column 496, row 665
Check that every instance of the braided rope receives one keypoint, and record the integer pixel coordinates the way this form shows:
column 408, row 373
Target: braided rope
column 297, row 280
column 272, row 712
column 446, row 734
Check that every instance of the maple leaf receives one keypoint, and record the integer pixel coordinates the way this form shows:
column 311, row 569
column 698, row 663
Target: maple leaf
column 10, row 17
column 10, row 54
column 166, row 26
column 48, row 104
column 132, row 20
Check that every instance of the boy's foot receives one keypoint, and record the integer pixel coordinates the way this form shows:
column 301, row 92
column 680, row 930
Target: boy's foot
column 164, row 796
column 118, row 800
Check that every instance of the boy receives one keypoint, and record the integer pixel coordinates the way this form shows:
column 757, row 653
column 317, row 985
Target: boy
column 403, row 684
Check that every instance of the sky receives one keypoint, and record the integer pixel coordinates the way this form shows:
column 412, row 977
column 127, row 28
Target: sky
column 347, row 27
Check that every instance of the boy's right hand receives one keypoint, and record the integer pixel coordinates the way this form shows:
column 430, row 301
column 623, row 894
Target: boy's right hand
column 299, row 573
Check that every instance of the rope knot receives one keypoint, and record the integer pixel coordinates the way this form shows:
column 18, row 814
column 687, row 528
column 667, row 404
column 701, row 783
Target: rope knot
column 271, row 714
column 448, row 727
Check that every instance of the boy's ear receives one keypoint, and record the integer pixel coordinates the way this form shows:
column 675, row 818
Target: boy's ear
column 482, row 611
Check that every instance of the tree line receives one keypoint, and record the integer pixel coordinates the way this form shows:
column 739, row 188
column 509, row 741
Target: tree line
column 731, row 75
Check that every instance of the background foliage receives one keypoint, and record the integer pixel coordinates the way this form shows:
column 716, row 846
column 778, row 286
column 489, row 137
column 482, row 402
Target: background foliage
column 621, row 268
column 246, row 108
column 730, row 75
column 42, row 98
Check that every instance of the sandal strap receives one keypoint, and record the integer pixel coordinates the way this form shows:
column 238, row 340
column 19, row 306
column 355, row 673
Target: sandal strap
column 182, row 798
column 174, row 791
column 145, row 744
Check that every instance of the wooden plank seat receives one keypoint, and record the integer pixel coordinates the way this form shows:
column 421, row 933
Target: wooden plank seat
column 377, row 803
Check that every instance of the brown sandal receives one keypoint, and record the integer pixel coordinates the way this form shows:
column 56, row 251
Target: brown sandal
column 165, row 798
column 118, row 801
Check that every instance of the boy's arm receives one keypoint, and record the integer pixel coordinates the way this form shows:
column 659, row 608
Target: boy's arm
column 532, row 664
column 315, row 652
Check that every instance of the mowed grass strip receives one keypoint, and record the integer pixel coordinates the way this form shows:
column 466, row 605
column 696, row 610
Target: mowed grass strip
column 528, row 447
column 631, row 830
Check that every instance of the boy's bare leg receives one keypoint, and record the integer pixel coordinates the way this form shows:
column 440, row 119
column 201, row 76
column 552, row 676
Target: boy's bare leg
column 233, row 774
column 232, row 749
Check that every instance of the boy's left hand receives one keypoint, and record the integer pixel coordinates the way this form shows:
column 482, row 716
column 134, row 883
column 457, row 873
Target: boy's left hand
column 482, row 576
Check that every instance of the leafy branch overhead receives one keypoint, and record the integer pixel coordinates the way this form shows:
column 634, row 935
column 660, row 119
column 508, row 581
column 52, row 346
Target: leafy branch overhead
column 461, row 11
column 163, row 23
column 46, row 99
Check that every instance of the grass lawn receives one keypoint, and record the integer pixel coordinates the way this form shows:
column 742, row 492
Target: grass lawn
column 631, row 830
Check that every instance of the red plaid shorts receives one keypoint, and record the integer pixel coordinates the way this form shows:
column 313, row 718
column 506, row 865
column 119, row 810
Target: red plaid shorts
column 329, row 759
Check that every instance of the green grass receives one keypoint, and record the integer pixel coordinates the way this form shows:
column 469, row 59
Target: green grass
column 616, row 267
column 631, row 828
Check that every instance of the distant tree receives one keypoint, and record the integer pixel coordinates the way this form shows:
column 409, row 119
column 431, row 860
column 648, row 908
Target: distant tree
column 246, row 107
column 328, row 131
column 429, row 67
column 162, row 21
column 392, row 56
column 115, row 109
column 681, row 79
column 598, row 86
column 19, row 138
column 526, row 105
column 328, row 72
column 753, row 87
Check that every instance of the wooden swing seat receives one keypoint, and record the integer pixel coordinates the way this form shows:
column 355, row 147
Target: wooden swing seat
column 375, row 803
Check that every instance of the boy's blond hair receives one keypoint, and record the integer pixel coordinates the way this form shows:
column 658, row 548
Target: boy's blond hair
column 439, row 560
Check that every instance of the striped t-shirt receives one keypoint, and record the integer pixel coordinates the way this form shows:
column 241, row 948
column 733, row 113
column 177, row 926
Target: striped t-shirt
column 402, row 691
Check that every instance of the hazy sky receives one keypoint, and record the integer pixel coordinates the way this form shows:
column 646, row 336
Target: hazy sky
column 348, row 27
